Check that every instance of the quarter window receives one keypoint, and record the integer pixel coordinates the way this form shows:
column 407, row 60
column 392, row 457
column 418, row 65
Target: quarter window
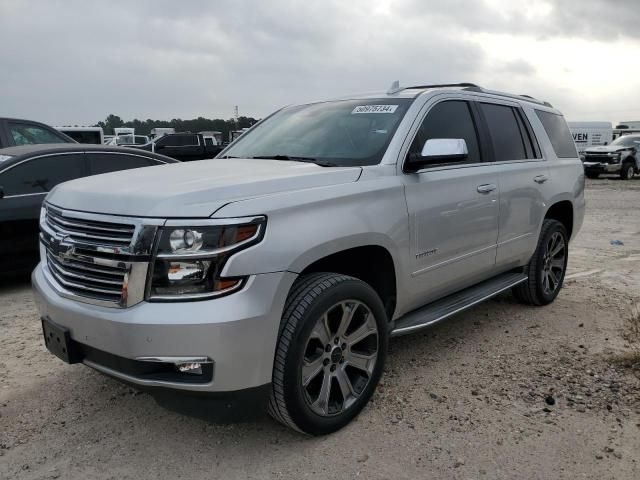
column 449, row 119
column 558, row 133
column 40, row 175
column 506, row 136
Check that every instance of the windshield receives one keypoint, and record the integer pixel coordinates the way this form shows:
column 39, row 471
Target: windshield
column 340, row 133
column 627, row 141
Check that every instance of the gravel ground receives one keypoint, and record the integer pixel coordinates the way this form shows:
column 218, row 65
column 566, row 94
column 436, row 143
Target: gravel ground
column 500, row 391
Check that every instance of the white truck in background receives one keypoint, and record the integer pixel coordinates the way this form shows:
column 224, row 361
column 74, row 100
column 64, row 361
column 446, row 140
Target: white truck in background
column 91, row 135
column 590, row 134
column 119, row 131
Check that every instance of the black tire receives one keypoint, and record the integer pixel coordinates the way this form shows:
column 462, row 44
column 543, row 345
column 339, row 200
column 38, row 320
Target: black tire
column 592, row 175
column 534, row 291
column 310, row 298
column 628, row 169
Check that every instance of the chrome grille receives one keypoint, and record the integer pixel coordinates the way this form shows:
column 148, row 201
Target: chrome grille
column 86, row 279
column 98, row 259
column 103, row 233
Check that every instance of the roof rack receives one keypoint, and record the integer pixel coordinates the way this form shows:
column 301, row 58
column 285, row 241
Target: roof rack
column 472, row 87
column 442, row 85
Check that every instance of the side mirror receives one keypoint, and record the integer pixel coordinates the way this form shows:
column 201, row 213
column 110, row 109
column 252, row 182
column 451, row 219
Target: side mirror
column 439, row 150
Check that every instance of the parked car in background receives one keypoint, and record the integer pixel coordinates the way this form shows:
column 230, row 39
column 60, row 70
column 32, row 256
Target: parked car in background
column 280, row 269
column 28, row 173
column 128, row 140
column 14, row 131
column 620, row 157
column 184, row 146
column 107, row 139
column 88, row 135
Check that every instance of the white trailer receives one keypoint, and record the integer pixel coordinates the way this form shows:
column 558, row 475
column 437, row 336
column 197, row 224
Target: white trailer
column 588, row 134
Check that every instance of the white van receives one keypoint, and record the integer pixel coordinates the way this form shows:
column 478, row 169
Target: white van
column 590, row 134
column 93, row 135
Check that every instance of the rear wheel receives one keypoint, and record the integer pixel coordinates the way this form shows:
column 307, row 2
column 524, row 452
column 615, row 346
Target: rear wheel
column 547, row 267
column 330, row 354
column 628, row 169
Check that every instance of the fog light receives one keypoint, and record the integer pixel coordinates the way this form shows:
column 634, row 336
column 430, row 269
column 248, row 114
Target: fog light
column 192, row 368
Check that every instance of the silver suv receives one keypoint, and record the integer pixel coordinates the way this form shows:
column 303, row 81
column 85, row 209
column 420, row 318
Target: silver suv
column 281, row 268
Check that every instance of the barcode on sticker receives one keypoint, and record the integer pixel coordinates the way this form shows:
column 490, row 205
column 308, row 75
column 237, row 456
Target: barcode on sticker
column 374, row 109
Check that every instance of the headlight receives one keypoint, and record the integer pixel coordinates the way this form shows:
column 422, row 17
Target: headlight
column 191, row 255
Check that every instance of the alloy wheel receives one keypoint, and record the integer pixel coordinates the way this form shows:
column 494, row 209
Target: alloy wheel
column 554, row 263
column 339, row 357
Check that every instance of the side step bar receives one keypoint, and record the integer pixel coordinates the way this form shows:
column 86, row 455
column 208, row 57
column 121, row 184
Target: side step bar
column 457, row 302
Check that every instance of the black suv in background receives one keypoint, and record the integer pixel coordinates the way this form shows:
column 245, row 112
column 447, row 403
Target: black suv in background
column 29, row 172
column 15, row 132
column 183, row 146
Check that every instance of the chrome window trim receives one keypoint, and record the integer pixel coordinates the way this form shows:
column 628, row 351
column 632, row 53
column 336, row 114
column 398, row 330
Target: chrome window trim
column 100, row 152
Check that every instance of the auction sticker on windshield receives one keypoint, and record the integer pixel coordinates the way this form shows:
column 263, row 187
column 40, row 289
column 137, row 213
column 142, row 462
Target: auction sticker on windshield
column 374, row 109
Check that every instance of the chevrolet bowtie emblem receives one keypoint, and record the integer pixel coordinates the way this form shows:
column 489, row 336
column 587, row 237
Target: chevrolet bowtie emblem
column 59, row 248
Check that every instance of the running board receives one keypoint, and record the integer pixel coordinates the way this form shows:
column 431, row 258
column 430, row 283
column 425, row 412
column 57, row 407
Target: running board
column 457, row 302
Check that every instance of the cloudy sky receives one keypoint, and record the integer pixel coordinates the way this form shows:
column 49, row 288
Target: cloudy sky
column 76, row 61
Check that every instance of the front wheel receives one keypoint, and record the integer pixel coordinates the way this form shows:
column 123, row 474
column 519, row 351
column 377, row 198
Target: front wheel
column 628, row 169
column 547, row 266
column 330, row 354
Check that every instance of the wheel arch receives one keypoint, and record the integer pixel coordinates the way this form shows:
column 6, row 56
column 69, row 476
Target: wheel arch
column 373, row 263
column 562, row 211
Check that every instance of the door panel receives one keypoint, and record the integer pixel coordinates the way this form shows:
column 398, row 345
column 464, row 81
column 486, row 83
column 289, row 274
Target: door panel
column 454, row 229
column 522, row 207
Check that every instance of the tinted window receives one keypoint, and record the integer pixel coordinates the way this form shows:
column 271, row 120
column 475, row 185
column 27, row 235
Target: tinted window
column 113, row 162
column 451, row 119
column 169, row 141
column 40, row 175
column 26, row 134
column 558, row 133
column 208, row 141
column 85, row 137
column 187, row 140
column 506, row 137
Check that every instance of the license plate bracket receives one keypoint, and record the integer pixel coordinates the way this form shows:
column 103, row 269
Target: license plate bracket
column 58, row 341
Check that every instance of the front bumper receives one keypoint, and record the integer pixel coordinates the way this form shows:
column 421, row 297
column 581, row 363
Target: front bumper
column 237, row 332
column 601, row 167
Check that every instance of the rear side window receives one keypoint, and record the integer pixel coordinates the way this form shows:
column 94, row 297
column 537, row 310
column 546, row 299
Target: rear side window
column 187, row 140
column 26, row 134
column 506, row 135
column 114, row 162
column 40, row 175
column 449, row 119
column 558, row 133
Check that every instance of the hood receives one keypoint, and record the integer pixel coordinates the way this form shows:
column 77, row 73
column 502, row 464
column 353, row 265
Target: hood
column 606, row 149
column 194, row 189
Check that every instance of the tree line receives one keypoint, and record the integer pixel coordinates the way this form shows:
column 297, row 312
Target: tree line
column 200, row 124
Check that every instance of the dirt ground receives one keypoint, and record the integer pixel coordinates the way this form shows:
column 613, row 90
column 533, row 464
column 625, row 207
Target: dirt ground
column 500, row 391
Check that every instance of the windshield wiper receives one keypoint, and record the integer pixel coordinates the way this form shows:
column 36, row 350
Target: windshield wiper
column 322, row 163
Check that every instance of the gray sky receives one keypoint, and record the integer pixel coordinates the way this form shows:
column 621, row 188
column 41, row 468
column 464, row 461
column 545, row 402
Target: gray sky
column 76, row 61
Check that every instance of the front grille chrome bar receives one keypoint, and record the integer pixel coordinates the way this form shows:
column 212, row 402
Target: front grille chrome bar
column 97, row 259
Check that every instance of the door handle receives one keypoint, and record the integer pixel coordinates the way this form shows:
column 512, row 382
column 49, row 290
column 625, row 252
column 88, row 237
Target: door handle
column 540, row 179
column 486, row 188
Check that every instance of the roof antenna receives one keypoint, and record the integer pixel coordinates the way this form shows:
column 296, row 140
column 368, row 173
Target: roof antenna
column 394, row 88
